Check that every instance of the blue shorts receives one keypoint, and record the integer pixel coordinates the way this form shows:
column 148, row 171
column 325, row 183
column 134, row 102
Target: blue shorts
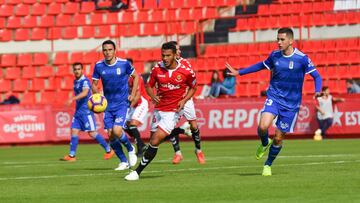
column 117, row 117
column 286, row 119
column 85, row 122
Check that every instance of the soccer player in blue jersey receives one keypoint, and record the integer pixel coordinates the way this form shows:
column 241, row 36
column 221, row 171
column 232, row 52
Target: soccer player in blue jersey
column 288, row 66
column 84, row 119
column 114, row 74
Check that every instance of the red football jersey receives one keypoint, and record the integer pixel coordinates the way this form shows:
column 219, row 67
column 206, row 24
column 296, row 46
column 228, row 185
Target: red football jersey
column 141, row 88
column 171, row 85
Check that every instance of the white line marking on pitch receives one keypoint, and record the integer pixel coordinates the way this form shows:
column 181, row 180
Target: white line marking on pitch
column 175, row 170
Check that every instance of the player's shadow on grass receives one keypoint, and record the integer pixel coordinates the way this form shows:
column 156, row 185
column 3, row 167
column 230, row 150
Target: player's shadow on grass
column 147, row 176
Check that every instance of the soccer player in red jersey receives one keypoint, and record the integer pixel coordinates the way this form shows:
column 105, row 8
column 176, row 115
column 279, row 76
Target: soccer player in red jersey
column 139, row 108
column 175, row 84
column 190, row 115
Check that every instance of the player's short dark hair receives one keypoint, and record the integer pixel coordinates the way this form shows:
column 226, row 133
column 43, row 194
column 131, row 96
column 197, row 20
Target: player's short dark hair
column 130, row 60
column 174, row 42
column 288, row 31
column 108, row 42
column 324, row 88
column 77, row 64
column 169, row 45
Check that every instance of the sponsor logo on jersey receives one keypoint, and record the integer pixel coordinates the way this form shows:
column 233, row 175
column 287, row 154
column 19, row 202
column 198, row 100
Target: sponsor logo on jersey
column 161, row 76
column 170, row 86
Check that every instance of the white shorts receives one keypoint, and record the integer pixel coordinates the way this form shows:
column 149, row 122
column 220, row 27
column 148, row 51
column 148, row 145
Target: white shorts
column 139, row 113
column 189, row 110
column 165, row 120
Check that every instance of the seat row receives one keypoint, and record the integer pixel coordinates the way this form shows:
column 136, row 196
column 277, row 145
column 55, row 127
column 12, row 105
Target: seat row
column 297, row 20
column 291, row 8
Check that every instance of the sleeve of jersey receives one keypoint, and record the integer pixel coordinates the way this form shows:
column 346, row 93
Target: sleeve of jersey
column 152, row 79
column 86, row 85
column 254, row 68
column 318, row 80
column 309, row 66
column 268, row 63
column 129, row 68
column 191, row 80
column 96, row 75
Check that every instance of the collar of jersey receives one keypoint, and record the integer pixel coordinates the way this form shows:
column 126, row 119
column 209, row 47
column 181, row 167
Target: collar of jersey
column 162, row 65
column 290, row 54
column 81, row 78
column 111, row 64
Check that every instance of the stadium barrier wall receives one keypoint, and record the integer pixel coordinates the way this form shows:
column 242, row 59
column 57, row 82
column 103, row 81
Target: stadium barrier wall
column 217, row 119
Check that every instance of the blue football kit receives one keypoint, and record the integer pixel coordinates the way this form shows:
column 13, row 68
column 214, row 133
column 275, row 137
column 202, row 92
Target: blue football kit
column 114, row 79
column 83, row 119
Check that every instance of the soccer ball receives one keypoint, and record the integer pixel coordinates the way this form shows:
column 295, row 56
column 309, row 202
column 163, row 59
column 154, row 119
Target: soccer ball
column 97, row 103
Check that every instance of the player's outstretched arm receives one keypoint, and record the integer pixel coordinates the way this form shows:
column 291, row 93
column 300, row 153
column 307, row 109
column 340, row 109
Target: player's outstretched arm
column 251, row 69
column 318, row 83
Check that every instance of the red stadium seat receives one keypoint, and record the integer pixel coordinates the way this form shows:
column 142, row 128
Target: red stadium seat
column 112, row 18
column 37, row 84
column 6, row 10
column 8, row 60
column 165, row 4
column 29, row 22
column 63, row 20
column 22, row 10
column 45, row 72
column 148, row 29
column 50, row 84
column 40, row 59
column 47, row 97
column 29, row 1
column 79, row 19
column 150, row 4
column 71, row 8
column 14, row 2
column 24, row 59
column 76, row 57
column 54, row 33
column 12, row 73
column 38, row 34
column 13, row 22
column 96, row 19
column 64, row 70
column 103, row 31
column 127, row 17
column 87, row 32
column 61, row 58
column 70, row 33
column 28, row 98
column 87, row 7
column 54, row 8
column 142, row 16
column 28, row 72
column 5, row 85
column 91, row 57
column 20, row 85
column 46, row 21
column 133, row 30
column 38, row 9
column 197, row 13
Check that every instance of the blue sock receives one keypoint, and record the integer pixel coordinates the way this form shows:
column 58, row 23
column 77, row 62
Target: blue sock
column 264, row 137
column 273, row 152
column 102, row 142
column 116, row 146
column 125, row 140
column 74, row 141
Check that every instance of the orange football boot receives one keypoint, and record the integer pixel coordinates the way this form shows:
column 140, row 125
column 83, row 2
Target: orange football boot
column 109, row 155
column 68, row 158
column 177, row 158
column 200, row 157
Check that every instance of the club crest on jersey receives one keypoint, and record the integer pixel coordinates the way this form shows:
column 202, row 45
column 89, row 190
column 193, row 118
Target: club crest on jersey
column 118, row 71
column 291, row 65
column 178, row 78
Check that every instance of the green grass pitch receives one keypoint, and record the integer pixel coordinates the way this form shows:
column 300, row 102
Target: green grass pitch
column 305, row 171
